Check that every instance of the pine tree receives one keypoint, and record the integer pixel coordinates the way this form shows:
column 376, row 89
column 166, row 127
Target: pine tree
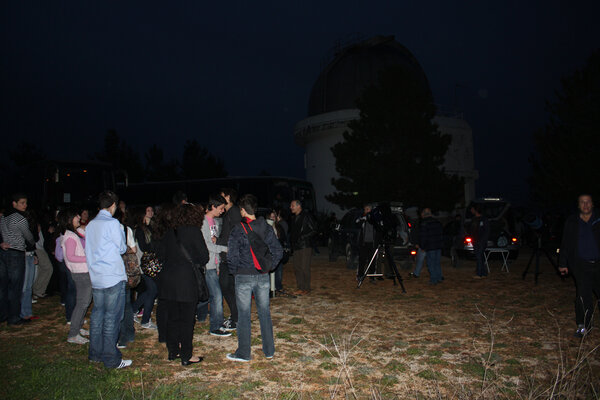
column 394, row 151
column 564, row 165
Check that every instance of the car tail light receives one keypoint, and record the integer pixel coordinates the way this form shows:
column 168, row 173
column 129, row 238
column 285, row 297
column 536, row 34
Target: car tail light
column 468, row 240
column 409, row 225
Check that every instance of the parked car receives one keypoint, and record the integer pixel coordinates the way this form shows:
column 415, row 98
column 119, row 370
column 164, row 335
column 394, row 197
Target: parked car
column 344, row 238
column 459, row 243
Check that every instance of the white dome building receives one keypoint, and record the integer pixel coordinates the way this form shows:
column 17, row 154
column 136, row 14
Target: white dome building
column 332, row 105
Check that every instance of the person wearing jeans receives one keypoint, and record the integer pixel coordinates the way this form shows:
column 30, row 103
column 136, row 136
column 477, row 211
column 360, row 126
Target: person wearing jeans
column 109, row 304
column 252, row 279
column 26, row 295
column 105, row 242
column 431, row 240
column 16, row 237
column 145, row 300
column 12, row 273
column 215, row 300
column 245, row 287
column 210, row 233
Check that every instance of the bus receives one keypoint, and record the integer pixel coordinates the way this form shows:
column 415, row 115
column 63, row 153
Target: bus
column 271, row 191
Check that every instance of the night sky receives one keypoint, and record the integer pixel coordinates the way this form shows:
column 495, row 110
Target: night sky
column 237, row 76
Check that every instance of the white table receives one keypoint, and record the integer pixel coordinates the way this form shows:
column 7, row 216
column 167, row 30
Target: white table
column 502, row 251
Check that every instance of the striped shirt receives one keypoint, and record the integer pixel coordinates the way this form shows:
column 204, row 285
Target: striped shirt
column 15, row 231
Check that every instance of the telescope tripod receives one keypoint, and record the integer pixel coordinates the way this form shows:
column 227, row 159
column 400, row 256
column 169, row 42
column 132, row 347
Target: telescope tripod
column 381, row 251
column 536, row 253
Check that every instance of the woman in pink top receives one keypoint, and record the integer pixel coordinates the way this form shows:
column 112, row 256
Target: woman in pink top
column 74, row 257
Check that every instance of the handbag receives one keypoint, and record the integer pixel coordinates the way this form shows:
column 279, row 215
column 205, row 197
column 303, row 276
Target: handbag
column 199, row 271
column 132, row 269
column 150, row 264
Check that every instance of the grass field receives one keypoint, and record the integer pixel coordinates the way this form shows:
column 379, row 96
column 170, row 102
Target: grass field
column 502, row 337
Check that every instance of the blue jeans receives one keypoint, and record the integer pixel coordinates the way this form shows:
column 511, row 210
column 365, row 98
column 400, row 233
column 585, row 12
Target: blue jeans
column 12, row 273
column 434, row 265
column 127, row 333
column 279, row 277
column 419, row 261
column 26, row 310
column 105, row 322
column 146, row 299
column 215, row 299
column 245, row 286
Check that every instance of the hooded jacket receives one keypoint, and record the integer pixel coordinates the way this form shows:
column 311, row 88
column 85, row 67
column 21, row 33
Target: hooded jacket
column 239, row 257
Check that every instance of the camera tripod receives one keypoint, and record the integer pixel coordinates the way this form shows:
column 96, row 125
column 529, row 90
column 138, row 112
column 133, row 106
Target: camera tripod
column 381, row 251
column 536, row 253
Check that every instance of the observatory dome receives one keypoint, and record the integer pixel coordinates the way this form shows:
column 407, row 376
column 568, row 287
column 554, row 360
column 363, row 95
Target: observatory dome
column 355, row 67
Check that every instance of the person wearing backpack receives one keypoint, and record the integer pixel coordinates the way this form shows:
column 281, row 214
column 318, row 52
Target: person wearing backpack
column 253, row 251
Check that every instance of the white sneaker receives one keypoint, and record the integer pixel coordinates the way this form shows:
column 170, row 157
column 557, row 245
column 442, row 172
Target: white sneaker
column 136, row 319
column 233, row 357
column 78, row 340
column 149, row 325
column 121, row 346
column 125, row 364
column 84, row 332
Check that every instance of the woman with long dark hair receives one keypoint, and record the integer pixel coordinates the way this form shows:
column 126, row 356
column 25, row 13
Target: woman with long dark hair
column 181, row 247
column 75, row 260
column 144, row 228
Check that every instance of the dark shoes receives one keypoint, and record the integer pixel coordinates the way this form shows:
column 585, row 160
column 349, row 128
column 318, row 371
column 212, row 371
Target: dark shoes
column 581, row 332
column 229, row 325
column 173, row 357
column 283, row 293
column 21, row 321
column 220, row 332
column 412, row 275
column 191, row 361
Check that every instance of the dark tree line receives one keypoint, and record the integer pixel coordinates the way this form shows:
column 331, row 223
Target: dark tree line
column 565, row 163
column 196, row 161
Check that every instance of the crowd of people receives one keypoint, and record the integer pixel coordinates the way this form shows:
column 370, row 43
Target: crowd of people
column 177, row 263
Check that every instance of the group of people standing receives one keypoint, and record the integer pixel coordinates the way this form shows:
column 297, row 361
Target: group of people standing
column 184, row 239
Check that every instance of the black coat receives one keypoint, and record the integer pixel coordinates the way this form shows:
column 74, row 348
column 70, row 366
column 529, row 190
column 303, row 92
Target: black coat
column 431, row 235
column 568, row 247
column 303, row 231
column 176, row 281
column 231, row 219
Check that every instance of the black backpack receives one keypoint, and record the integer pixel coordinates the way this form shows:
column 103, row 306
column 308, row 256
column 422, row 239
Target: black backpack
column 261, row 255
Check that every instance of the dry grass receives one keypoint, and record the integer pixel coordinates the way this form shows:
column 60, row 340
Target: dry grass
column 502, row 337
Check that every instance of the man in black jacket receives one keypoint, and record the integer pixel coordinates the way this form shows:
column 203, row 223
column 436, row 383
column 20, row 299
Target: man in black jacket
column 249, row 280
column 431, row 237
column 580, row 256
column 301, row 237
column 231, row 219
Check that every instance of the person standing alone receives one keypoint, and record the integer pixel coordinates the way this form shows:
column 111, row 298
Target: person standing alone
column 580, row 256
